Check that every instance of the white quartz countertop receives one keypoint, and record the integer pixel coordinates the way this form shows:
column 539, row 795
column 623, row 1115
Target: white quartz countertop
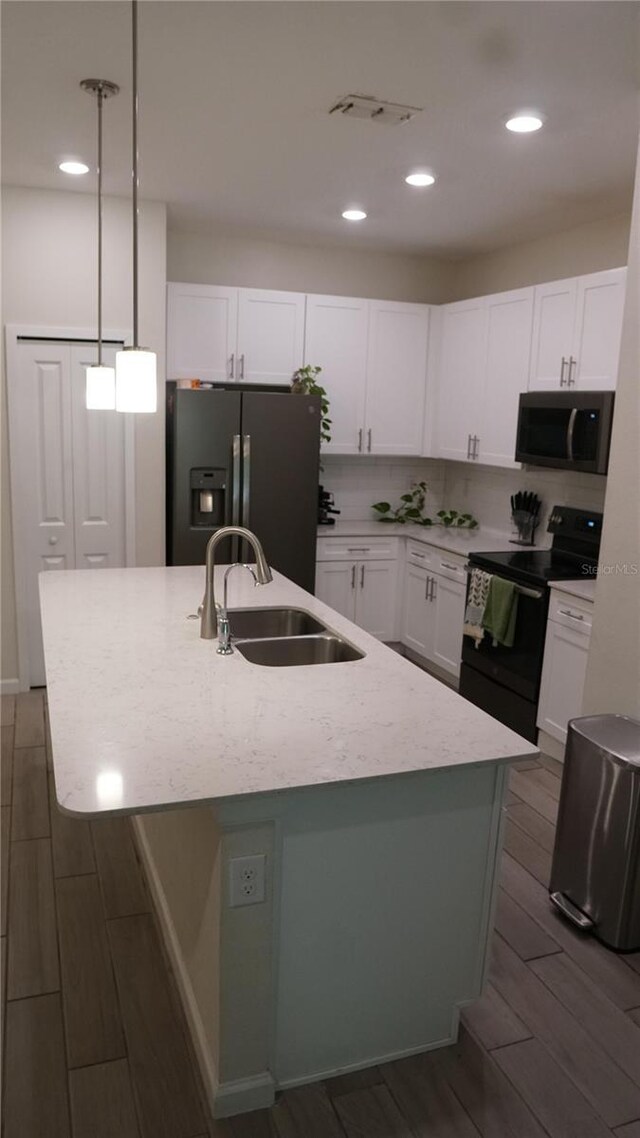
column 145, row 715
column 582, row 587
column 479, row 540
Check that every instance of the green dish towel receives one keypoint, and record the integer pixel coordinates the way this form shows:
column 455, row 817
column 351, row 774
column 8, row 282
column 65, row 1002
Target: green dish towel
column 501, row 611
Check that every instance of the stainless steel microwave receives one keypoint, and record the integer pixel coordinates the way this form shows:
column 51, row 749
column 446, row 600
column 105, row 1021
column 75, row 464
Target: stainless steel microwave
column 568, row 430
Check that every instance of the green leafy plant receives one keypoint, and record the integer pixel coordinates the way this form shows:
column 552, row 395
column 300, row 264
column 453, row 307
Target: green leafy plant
column 411, row 511
column 303, row 382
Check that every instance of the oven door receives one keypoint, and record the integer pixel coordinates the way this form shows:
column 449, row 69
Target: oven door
column 518, row 668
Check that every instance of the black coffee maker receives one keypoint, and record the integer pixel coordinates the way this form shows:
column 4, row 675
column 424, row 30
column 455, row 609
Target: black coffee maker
column 326, row 507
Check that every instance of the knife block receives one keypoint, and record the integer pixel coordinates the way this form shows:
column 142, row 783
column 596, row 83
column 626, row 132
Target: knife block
column 526, row 525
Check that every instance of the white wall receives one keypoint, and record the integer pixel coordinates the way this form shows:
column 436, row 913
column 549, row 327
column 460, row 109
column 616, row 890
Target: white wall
column 49, row 277
column 357, row 482
column 208, row 256
column 570, row 253
column 613, row 669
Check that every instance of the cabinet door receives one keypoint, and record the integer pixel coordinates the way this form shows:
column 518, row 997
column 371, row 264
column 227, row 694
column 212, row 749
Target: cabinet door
column 336, row 340
column 416, row 631
column 270, row 335
column 448, row 618
column 509, row 326
column 563, row 675
column 376, row 598
column 460, row 377
column 598, row 329
column 553, row 321
column 336, row 586
column 396, row 377
column 201, row 332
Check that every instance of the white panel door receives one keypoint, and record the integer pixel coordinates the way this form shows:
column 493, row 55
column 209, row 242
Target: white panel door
column 416, row 631
column 509, row 327
column 460, row 378
column 42, row 480
column 270, row 335
column 552, row 343
column 98, row 473
column 598, row 329
column 376, row 598
column 202, row 325
column 448, row 619
column 336, row 340
column 563, row 674
column 396, row 377
column 336, row 586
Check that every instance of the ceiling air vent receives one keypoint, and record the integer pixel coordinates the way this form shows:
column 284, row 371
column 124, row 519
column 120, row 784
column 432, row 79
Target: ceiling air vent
column 377, row 110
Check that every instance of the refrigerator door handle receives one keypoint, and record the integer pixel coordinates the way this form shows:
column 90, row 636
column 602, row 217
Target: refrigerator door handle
column 246, row 480
column 235, row 482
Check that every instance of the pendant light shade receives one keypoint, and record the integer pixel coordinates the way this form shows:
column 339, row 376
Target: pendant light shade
column 136, row 387
column 101, row 380
column 136, row 367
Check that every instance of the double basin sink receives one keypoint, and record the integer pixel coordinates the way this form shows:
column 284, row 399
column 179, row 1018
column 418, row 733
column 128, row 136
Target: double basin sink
column 287, row 637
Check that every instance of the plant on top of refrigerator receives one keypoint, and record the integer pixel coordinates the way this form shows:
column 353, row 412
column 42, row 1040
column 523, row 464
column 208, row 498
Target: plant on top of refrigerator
column 303, row 382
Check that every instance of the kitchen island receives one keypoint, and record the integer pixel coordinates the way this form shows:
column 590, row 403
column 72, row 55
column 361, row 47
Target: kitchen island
column 367, row 794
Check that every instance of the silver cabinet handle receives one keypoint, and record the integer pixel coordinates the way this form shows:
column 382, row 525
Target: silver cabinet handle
column 476, row 444
column 353, row 576
column 369, row 440
column 562, row 367
column 432, row 596
column 468, row 445
column 358, row 548
column 241, row 363
column 422, row 556
column 362, row 576
column 572, row 363
column 235, row 482
column 360, row 441
column 573, row 615
column 246, row 479
column 446, row 565
column 232, row 361
column 53, row 541
column 426, row 590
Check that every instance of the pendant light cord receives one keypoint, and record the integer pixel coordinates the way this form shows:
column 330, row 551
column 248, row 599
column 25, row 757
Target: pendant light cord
column 134, row 41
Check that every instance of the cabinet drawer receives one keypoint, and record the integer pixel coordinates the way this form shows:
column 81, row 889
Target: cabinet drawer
column 419, row 554
column 449, row 565
column 571, row 612
column 357, row 549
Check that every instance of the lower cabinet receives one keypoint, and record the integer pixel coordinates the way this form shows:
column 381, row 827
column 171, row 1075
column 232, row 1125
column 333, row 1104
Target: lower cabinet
column 433, row 616
column 565, row 664
column 363, row 591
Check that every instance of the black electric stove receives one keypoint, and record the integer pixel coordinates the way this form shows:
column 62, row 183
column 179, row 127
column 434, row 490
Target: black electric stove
column 505, row 682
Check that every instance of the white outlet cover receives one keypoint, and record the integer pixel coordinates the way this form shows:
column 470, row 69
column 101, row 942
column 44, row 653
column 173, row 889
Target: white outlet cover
column 247, row 880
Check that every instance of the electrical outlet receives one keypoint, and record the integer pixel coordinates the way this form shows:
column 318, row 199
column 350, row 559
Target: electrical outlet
column 247, row 880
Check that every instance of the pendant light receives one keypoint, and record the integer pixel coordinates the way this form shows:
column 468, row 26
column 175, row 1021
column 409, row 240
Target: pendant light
column 136, row 387
column 101, row 380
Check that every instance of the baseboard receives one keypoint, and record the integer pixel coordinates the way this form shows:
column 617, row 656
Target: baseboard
column 9, row 687
column 256, row 1093
column 375, row 1061
column 187, row 997
column 550, row 746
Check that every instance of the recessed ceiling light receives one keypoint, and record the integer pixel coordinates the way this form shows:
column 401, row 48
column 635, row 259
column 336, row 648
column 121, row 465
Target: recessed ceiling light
column 73, row 168
column 420, row 178
column 524, row 123
column 354, row 214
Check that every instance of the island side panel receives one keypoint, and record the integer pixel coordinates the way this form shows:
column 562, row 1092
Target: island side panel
column 386, row 895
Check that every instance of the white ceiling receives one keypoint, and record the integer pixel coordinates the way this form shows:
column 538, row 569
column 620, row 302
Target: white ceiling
column 234, row 130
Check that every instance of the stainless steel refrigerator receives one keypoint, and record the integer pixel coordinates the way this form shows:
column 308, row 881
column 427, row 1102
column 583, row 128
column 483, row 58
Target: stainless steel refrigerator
column 243, row 456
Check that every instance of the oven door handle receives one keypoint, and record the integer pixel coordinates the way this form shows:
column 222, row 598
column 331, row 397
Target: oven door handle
column 570, row 429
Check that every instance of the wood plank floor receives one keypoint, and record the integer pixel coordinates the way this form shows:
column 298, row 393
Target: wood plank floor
column 95, row 1045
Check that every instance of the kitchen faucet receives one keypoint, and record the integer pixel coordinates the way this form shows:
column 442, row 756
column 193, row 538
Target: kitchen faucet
column 212, row 614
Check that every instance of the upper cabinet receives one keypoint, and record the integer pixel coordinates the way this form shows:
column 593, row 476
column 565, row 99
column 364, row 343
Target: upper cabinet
column 228, row 334
column 484, row 365
column 373, row 356
column 576, row 332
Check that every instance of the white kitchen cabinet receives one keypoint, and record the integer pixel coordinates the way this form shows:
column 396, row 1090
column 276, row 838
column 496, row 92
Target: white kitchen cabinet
column 565, row 664
column 335, row 585
column 433, row 608
column 460, row 378
column 336, row 340
column 484, row 366
column 373, row 356
column 396, row 377
column 219, row 334
column 376, row 594
column 576, row 332
column 359, row 578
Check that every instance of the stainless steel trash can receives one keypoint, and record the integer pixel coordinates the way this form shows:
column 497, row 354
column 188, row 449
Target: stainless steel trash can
column 595, row 876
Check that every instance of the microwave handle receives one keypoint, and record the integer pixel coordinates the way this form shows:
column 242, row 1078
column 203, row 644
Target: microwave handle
column 570, row 430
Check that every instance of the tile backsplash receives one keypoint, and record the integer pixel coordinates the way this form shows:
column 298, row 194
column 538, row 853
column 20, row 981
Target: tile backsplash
column 484, row 491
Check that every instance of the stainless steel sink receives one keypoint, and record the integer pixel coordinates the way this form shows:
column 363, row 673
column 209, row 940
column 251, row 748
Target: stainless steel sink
column 269, row 623
column 297, row 651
